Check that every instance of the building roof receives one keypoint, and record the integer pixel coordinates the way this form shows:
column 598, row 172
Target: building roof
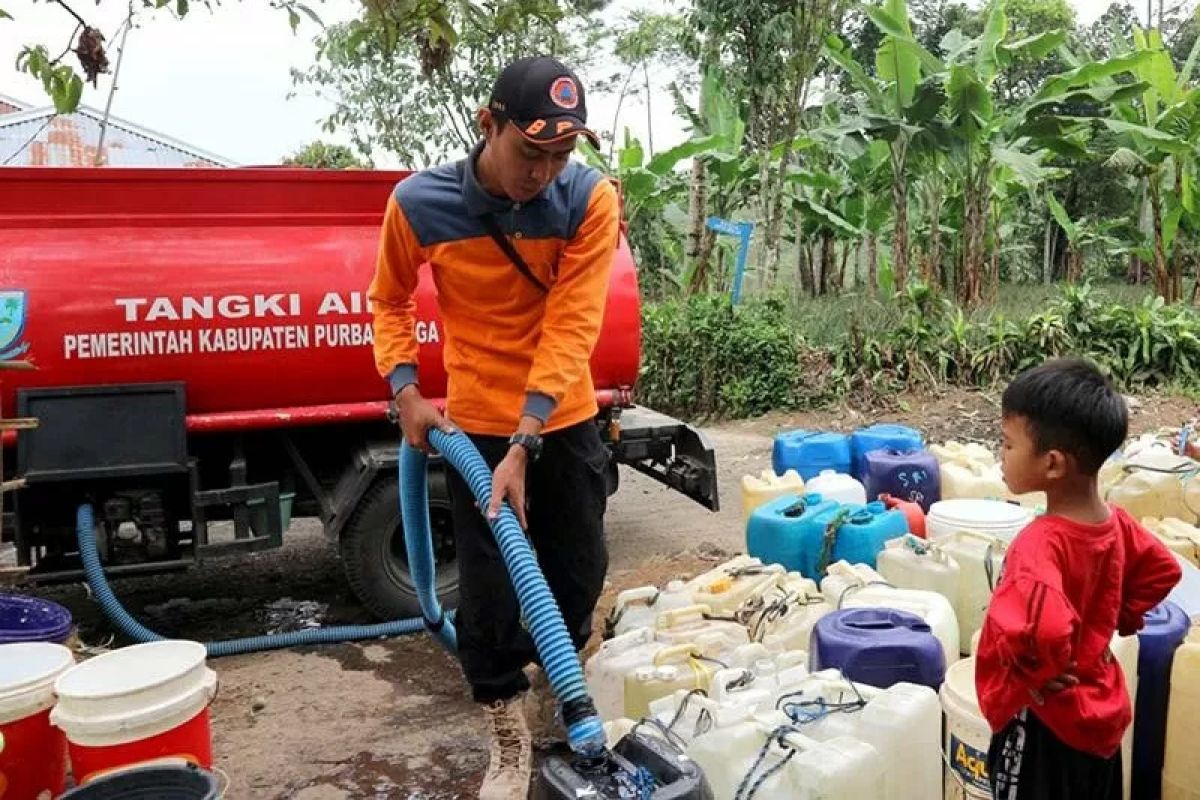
column 40, row 137
column 11, row 105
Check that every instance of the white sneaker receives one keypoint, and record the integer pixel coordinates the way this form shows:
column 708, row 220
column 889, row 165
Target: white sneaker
column 508, row 769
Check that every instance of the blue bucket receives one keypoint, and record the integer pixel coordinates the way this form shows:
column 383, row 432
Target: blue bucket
column 31, row 619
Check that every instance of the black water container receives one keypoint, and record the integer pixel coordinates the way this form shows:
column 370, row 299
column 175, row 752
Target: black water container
column 616, row 775
column 150, row 783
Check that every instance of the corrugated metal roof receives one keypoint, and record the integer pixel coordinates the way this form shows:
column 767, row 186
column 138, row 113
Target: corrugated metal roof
column 39, row 137
column 11, row 105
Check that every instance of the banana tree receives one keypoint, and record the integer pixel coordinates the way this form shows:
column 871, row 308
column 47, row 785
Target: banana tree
column 1158, row 137
column 892, row 105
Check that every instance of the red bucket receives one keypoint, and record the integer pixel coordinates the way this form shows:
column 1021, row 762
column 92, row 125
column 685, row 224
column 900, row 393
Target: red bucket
column 145, row 704
column 33, row 753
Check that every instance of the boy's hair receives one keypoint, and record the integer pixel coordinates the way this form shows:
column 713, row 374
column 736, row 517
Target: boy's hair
column 1072, row 407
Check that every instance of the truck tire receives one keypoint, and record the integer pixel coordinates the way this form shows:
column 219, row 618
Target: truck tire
column 374, row 557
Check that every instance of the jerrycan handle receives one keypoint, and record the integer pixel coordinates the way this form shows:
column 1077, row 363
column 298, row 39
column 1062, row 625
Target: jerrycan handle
column 676, row 652
column 679, row 616
column 641, row 595
column 994, row 541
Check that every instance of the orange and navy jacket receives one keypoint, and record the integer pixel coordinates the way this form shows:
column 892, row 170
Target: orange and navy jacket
column 509, row 349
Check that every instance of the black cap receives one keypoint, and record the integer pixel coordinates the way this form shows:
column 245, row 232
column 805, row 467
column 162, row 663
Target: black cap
column 543, row 98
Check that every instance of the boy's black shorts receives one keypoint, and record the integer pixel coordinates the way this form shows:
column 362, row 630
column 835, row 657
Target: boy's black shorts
column 1027, row 762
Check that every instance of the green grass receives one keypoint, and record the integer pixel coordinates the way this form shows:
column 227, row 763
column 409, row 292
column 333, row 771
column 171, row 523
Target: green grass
column 826, row 320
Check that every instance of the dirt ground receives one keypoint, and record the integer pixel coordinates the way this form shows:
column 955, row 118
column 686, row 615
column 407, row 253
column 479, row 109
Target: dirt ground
column 392, row 719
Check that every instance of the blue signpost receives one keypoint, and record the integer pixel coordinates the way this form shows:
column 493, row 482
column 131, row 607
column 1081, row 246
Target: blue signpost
column 742, row 230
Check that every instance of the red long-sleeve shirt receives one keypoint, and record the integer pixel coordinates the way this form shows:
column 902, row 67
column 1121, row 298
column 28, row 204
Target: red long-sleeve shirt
column 1066, row 588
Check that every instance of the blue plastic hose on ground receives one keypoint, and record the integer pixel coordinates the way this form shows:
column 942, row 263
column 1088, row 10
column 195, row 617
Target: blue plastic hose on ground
column 585, row 732
column 85, row 531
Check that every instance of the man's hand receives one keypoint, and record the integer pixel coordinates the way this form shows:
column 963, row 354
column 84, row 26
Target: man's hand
column 417, row 416
column 509, row 482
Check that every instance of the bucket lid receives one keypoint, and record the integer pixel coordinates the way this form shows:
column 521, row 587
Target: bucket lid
column 150, row 783
column 145, row 686
column 977, row 514
column 32, row 619
column 27, row 674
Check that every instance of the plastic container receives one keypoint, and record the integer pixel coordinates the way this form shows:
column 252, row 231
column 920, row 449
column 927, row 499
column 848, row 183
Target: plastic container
column 570, row 778
column 1166, row 628
column 766, row 486
column 881, row 436
column 1181, row 763
column 784, row 530
column 785, row 618
column 810, row 452
column 953, row 452
column 859, row 586
column 606, row 670
column 734, row 695
column 33, row 754
column 31, row 619
column 672, row 668
column 1125, row 650
column 980, row 559
column 858, row 534
column 994, row 518
column 1154, row 483
column 911, row 563
column 727, row 594
column 912, row 512
column 692, row 624
column 838, row 487
column 841, row 767
column 879, row 647
column 1179, row 536
column 640, row 606
column 968, row 735
column 136, row 705
column 151, row 783
column 912, row 475
column 903, row 723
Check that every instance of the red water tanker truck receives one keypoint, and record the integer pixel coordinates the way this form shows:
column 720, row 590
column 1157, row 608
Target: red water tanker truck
column 201, row 343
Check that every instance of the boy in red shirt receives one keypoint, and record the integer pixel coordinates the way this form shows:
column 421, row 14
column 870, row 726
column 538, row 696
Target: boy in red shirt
column 1047, row 682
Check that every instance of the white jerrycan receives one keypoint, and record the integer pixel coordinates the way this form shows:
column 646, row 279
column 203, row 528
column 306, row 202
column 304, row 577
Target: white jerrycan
column 784, row 616
column 981, row 559
column 910, row 562
column 692, row 623
column 640, row 606
column 616, row 659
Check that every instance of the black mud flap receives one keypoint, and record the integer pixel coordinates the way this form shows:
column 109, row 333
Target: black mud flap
column 670, row 451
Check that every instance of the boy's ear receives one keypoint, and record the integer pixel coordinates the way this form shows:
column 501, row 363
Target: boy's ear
column 1057, row 464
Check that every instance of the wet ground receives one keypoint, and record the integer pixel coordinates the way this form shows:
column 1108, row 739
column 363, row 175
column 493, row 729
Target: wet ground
column 392, row 719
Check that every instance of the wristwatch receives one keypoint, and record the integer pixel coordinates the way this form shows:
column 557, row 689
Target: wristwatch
column 530, row 441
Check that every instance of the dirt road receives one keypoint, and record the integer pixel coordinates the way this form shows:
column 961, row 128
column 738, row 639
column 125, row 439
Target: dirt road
column 392, row 719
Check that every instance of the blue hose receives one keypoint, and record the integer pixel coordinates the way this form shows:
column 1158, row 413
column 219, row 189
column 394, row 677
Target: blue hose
column 585, row 732
column 85, row 532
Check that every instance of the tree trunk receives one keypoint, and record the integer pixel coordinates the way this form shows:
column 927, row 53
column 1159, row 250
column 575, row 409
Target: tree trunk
column 697, row 202
column 900, row 234
column 1048, row 252
column 774, row 189
column 935, row 246
column 827, row 263
column 971, row 279
column 1162, row 279
column 841, row 281
column 996, row 244
column 649, row 111
column 873, row 262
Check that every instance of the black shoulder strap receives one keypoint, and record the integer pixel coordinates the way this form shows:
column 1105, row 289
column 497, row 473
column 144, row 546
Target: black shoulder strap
column 493, row 229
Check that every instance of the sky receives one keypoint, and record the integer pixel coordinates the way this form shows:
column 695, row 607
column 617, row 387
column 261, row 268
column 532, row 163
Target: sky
column 220, row 80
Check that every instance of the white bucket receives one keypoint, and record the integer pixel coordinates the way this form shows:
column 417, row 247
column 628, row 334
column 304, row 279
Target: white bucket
column 27, row 674
column 967, row 735
column 988, row 517
column 134, row 693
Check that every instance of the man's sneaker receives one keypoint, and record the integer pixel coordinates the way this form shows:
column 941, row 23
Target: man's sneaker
column 508, row 770
column 542, row 710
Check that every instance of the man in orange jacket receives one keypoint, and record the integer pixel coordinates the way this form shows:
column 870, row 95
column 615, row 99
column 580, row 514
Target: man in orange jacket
column 520, row 240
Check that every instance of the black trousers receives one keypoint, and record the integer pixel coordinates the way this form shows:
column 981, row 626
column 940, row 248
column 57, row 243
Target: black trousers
column 566, row 497
column 1026, row 761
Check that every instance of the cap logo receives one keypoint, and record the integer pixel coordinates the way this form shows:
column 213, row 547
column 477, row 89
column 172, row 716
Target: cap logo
column 536, row 127
column 564, row 93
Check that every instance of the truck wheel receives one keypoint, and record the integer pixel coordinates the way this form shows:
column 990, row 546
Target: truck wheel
column 374, row 557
